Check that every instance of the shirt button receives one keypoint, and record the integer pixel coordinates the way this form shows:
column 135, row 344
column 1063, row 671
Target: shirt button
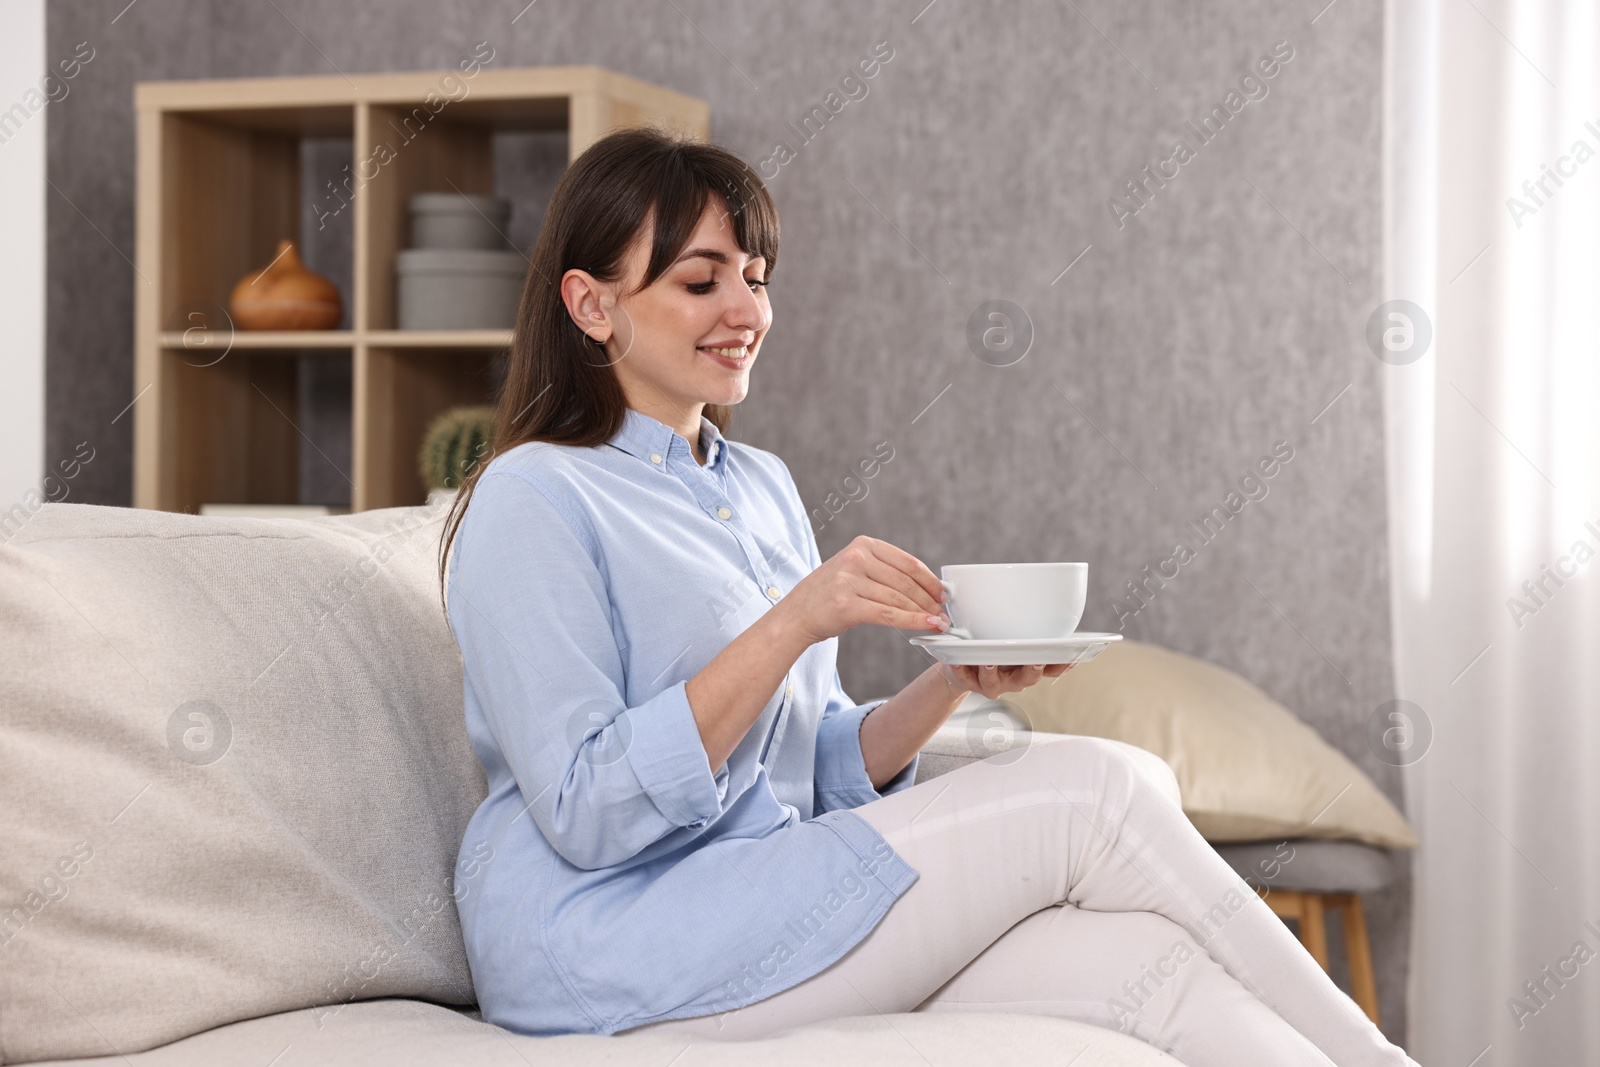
column 655, row 457
column 724, row 513
column 788, row 690
column 772, row 591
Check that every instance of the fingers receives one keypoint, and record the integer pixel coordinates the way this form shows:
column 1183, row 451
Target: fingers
column 1024, row 677
column 908, row 565
column 972, row 677
column 911, row 595
column 887, row 607
column 995, row 681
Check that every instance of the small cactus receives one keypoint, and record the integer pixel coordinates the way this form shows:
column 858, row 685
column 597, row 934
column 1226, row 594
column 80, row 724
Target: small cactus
column 455, row 443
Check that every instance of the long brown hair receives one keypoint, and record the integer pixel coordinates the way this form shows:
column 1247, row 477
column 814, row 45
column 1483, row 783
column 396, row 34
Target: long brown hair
column 559, row 386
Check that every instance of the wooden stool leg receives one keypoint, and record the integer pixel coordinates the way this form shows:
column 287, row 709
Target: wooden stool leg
column 1307, row 911
column 1358, row 949
column 1290, row 904
column 1313, row 931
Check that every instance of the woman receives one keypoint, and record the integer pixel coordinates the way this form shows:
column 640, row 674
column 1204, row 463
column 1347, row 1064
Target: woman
column 689, row 824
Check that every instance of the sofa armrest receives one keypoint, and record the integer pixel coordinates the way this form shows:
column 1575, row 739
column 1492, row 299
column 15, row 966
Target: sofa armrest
column 955, row 745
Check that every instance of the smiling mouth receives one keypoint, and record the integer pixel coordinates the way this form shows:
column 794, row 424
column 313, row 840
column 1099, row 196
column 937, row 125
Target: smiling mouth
column 731, row 357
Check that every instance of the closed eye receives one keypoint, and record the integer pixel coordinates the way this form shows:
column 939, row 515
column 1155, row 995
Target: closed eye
column 702, row 288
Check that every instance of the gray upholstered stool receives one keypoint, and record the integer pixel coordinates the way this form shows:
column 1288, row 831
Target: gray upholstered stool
column 1301, row 878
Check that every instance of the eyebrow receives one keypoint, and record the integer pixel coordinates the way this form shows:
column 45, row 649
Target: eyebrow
column 708, row 253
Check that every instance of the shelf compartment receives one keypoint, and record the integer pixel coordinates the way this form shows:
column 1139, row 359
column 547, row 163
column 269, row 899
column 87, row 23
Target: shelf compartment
column 229, row 194
column 398, row 392
column 233, row 432
column 424, row 153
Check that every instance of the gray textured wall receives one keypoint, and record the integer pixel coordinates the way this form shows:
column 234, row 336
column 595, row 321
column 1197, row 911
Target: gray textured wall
column 1223, row 317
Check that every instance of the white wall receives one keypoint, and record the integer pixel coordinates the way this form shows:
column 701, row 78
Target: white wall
column 22, row 252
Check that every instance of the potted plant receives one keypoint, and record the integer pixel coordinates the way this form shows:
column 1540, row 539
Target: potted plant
column 454, row 444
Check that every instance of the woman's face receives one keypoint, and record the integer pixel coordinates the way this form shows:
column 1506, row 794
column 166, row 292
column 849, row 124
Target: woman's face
column 660, row 339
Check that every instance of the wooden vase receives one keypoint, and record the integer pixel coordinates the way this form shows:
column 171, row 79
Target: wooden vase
column 285, row 296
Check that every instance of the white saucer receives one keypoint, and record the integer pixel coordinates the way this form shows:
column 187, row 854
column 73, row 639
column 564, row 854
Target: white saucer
column 971, row 651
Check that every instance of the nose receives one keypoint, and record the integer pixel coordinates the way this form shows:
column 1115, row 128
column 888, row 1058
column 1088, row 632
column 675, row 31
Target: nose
column 747, row 312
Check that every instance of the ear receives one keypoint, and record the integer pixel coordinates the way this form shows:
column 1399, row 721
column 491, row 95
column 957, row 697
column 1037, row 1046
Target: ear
column 588, row 301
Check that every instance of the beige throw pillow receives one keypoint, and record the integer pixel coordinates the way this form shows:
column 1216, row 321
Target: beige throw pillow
column 1249, row 769
column 234, row 774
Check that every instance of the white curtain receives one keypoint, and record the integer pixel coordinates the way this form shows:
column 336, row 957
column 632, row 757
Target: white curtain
column 1493, row 457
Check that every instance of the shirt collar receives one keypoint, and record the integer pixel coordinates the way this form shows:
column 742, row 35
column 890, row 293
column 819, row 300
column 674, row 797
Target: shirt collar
column 644, row 436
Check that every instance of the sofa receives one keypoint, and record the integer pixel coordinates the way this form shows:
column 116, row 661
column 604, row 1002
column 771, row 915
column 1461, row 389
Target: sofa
column 234, row 775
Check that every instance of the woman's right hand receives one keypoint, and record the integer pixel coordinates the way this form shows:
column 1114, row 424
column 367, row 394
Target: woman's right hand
column 866, row 581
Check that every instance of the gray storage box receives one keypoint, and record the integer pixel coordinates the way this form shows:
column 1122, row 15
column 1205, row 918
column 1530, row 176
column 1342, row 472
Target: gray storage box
column 458, row 220
column 458, row 288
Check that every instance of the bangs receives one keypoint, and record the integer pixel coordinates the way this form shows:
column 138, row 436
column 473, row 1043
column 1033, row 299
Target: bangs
column 686, row 186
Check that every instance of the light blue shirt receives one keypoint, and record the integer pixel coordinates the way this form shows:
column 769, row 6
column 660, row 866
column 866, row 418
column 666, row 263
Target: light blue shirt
column 610, row 879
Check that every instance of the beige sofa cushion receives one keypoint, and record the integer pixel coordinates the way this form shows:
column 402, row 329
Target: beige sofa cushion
column 234, row 773
column 406, row 1033
column 1248, row 769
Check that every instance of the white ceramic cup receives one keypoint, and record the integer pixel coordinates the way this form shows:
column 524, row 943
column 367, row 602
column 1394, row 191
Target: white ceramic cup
column 1014, row 601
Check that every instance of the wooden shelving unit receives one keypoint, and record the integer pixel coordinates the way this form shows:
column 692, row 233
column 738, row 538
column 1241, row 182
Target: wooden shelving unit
column 218, row 176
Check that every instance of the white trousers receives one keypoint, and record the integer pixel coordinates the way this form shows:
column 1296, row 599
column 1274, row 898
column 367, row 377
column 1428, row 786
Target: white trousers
column 1063, row 879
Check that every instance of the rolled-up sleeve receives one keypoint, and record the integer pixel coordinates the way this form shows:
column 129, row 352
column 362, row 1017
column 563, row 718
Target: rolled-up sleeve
column 841, row 770
column 529, row 608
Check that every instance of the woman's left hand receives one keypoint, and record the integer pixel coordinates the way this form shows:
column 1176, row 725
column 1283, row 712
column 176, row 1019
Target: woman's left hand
column 994, row 681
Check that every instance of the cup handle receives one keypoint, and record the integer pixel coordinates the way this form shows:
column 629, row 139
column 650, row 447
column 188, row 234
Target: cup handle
column 954, row 630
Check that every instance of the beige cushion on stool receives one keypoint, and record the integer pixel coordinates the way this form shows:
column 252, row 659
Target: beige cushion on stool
column 1250, row 770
